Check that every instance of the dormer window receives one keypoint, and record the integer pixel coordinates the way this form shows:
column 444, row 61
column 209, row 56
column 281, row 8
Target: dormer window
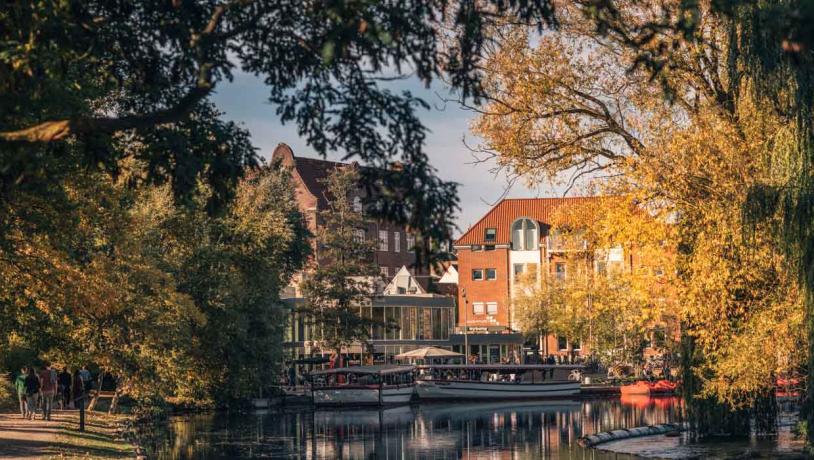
column 525, row 235
column 490, row 234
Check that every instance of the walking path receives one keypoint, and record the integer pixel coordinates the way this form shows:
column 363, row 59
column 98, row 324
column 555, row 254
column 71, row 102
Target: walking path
column 59, row 437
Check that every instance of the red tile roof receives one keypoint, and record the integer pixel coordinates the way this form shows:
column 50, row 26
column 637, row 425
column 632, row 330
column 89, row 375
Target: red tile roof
column 508, row 210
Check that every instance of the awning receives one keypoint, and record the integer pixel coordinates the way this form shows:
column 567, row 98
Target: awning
column 514, row 338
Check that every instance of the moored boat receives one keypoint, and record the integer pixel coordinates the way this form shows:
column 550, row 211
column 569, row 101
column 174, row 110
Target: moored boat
column 642, row 387
column 496, row 381
column 383, row 385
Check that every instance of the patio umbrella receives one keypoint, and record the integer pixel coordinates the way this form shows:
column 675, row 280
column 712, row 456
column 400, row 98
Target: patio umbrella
column 429, row 353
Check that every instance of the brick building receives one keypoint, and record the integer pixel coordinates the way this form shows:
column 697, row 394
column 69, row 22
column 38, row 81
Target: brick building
column 394, row 242
column 513, row 240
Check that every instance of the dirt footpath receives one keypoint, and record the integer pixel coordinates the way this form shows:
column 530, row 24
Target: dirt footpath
column 59, row 437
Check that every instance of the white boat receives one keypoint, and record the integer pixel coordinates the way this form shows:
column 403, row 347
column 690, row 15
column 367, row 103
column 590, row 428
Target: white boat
column 383, row 385
column 496, row 381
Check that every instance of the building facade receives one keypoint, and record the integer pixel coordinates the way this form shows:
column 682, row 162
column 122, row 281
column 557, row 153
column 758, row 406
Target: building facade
column 394, row 242
column 416, row 320
column 514, row 241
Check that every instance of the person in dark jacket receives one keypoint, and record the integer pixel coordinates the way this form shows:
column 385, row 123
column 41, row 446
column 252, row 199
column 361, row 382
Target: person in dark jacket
column 64, row 380
column 32, row 391
column 77, row 389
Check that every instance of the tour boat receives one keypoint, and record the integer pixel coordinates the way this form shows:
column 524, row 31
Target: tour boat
column 646, row 388
column 382, row 385
column 497, row 381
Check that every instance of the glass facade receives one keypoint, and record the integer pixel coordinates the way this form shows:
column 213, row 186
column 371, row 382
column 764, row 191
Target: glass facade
column 398, row 326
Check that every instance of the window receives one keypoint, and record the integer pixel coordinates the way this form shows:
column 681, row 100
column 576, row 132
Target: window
column 410, row 242
column 602, row 267
column 397, row 241
column 477, row 274
column 559, row 270
column 518, row 271
column 490, row 234
column 524, row 235
column 385, row 271
column 359, row 235
column 477, row 308
column 357, row 204
column 476, row 247
column 491, row 308
column 491, row 274
column 382, row 240
column 562, row 343
column 489, row 247
column 575, row 345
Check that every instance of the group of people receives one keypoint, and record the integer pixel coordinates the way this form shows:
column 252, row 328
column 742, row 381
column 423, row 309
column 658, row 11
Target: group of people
column 42, row 389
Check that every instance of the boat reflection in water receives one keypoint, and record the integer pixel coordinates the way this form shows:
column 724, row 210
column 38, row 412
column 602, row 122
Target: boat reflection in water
column 495, row 430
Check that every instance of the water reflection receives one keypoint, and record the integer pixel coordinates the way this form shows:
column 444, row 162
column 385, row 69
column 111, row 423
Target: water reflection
column 509, row 430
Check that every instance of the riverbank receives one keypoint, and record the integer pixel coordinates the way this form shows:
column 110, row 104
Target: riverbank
column 60, row 437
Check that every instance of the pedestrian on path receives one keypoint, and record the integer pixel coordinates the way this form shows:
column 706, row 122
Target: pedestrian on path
column 32, row 390
column 19, row 385
column 85, row 375
column 77, row 389
column 48, row 389
column 64, row 388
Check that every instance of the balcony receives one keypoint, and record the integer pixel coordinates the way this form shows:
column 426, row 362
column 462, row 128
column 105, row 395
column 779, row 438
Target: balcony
column 566, row 243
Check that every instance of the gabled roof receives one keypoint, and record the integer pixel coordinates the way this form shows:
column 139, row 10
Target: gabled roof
column 508, row 210
column 405, row 280
column 450, row 276
column 312, row 171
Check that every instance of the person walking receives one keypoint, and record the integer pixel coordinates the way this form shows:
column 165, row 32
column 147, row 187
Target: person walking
column 19, row 385
column 48, row 389
column 84, row 374
column 77, row 389
column 32, row 389
column 64, row 388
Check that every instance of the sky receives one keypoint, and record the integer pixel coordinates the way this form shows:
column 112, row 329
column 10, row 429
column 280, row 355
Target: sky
column 245, row 101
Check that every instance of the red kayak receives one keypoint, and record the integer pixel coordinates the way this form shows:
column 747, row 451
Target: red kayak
column 645, row 388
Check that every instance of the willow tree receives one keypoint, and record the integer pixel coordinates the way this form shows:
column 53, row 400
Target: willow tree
column 591, row 103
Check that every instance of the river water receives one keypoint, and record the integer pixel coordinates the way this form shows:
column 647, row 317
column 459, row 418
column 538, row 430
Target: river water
column 500, row 430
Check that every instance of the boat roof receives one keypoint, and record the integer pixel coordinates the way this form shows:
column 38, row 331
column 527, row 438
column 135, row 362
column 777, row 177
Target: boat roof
column 500, row 367
column 379, row 369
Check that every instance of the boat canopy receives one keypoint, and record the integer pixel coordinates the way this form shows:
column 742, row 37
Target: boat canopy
column 383, row 369
column 501, row 367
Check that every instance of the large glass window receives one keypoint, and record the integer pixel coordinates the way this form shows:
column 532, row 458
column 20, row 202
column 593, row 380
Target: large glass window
column 437, row 324
column 525, row 236
column 378, row 318
column 391, row 315
column 382, row 240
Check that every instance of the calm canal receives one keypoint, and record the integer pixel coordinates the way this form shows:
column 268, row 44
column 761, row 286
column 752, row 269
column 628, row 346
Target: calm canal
column 505, row 430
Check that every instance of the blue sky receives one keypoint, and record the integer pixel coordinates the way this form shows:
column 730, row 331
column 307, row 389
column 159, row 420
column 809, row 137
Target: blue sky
column 245, row 101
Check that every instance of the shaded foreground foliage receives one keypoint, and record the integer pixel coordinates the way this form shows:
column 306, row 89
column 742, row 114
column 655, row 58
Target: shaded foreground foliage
column 171, row 300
